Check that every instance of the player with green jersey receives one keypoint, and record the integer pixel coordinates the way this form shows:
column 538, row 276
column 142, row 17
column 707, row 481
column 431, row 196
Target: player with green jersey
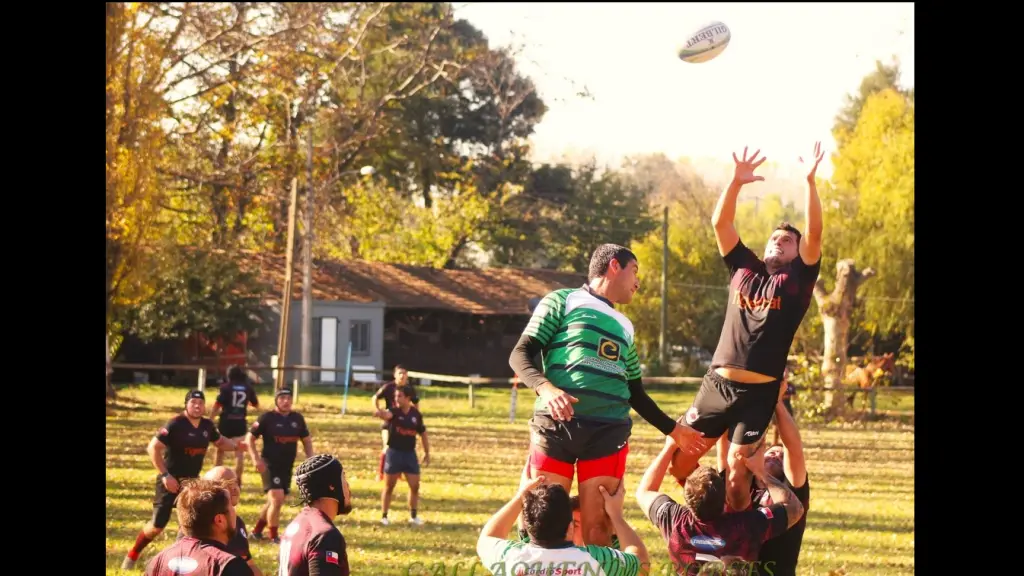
column 589, row 381
column 550, row 550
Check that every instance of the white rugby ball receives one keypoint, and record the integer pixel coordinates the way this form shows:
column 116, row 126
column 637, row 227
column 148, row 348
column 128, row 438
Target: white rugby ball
column 705, row 43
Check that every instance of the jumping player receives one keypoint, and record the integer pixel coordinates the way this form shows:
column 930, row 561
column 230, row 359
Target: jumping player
column 177, row 453
column 207, row 519
column 549, row 543
column 767, row 301
column 702, row 531
column 404, row 423
column 232, row 404
column 281, row 429
column 589, row 382
column 238, row 544
column 312, row 545
column 387, row 394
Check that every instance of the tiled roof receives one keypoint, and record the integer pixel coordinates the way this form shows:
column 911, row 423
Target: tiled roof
column 475, row 291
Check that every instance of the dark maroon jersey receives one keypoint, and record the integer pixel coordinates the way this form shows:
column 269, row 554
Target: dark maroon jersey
column 239, row 543
column 763, row 313
column 313, row 546
column 197, row 558
column 784, row 550
column 402, row 429
column 692, row 542
column 234, row 400
column 281, row 434
column 186, row 445
column 387, row 392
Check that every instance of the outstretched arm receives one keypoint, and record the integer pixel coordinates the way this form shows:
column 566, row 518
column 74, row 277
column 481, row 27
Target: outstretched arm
column 725, row 209
column 793, row 447
column 810, row 243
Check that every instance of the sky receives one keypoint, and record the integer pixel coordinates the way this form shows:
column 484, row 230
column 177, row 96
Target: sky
column 776, row 87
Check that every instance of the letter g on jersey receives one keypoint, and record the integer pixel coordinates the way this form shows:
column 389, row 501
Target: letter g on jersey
column 608, row 349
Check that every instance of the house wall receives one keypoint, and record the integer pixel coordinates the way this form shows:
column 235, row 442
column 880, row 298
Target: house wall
column 346, row 314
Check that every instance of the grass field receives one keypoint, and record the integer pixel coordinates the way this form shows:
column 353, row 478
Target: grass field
column 861, row 517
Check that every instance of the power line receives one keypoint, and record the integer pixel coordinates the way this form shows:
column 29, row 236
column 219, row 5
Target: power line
column 726, row 289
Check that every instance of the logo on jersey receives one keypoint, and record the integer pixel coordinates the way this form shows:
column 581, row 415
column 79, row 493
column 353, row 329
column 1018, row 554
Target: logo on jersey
column 754, row 433
column 707, row 543
column 163, row 432
column 332, row 557
column 277, row 480
column 182, row 565
column 691, row 415
column 767, row 513
column 242, row 532
column 206, row 434
column 295, row 424
column 608, row 349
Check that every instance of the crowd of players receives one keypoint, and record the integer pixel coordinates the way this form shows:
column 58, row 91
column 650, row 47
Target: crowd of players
column 747, row 513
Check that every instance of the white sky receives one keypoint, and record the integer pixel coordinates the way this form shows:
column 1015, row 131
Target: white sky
column 777, row 86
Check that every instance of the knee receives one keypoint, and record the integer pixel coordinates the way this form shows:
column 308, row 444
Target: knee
column 277, row 497
column 152, row 531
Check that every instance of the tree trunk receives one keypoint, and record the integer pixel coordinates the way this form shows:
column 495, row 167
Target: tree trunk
column 836, row 309
column 111, row 393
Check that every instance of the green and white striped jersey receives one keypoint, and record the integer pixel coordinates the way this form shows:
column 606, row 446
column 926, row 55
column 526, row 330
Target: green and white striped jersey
column 588, row 351
column 511, row 558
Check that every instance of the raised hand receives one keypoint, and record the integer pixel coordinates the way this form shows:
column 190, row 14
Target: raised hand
column 812, row 163
column 745, row 168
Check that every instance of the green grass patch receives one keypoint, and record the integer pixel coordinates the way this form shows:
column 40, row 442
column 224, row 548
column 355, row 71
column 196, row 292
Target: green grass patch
column 862, row 482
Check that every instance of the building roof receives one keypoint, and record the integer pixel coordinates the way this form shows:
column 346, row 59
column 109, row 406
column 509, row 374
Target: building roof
column 473, row 291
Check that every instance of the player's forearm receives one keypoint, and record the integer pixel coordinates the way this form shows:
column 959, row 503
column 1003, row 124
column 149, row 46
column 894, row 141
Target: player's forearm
column 307, row 445
column 789, row 434
column 725, row 209
column 504, row 519
column 156, row 456
column 779, row 492
column 215, row 411
column 252, row 448
column 648, row 409
column 521, row 362
column 655, row 473
column 628, row 538
column 426, row 445
column 723, row 452
column 254, row 568
column 814, row 224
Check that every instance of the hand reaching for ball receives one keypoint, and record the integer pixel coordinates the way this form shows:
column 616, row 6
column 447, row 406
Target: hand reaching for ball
column 744, row 173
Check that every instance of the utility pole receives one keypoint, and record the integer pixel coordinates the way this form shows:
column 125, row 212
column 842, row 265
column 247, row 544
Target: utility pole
column 307, row 265
column 286, row 300
column 662, row 343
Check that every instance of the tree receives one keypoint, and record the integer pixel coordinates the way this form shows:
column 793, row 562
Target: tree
column 870, row 211
column 200, row 291
column 836, row 309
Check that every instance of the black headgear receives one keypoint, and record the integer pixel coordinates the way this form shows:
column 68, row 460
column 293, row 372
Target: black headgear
column 283, row 392
column 320, row 477
column 195, row 394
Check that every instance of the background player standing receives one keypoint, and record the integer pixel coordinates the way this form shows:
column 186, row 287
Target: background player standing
column 312, row 545
column 387, row 393
column 281, row 430
column 177, row 453
column 404, row 423
column 232, row 405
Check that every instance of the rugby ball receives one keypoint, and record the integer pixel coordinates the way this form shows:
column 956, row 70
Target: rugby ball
column 705, row 43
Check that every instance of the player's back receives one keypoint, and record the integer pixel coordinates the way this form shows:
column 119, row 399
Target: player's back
column 235, row 398
column 735, row 534
column 196, row 557
column 312, row 539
